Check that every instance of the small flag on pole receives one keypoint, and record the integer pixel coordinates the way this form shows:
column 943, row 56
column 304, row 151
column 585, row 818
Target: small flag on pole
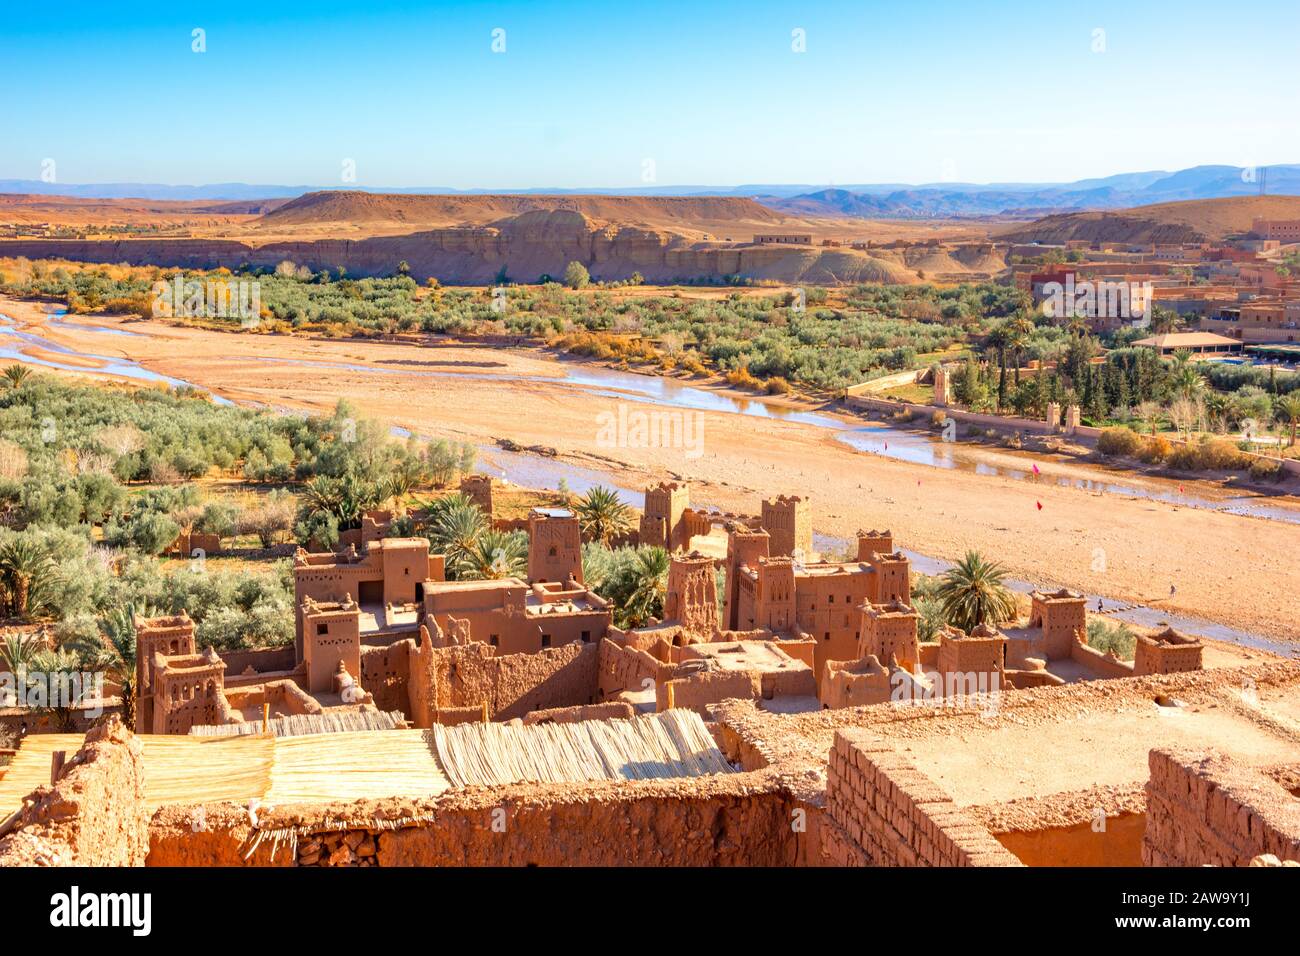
column 1040, row 505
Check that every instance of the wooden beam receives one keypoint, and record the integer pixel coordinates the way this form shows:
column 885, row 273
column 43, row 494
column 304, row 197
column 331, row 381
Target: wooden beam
column 57, row 759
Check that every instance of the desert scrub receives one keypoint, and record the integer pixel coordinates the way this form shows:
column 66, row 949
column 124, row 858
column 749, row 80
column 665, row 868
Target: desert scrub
column 776, row 385
column 1265, row 469
column 1154, row 449
column 1119, row 443
column 1216, row 454
column 742, row 378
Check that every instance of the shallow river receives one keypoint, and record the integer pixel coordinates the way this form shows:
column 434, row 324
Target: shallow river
column 537, row 471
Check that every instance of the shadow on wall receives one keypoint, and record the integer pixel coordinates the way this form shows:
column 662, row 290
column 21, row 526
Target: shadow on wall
column 1084, row 844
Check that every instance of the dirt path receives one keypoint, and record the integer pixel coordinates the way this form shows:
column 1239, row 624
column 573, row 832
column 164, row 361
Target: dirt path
column 1235, row 570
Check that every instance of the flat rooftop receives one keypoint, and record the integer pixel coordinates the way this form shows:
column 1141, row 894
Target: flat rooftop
column 742, row 656
column 376, row 618
column 1050, row 740
column 535, row 607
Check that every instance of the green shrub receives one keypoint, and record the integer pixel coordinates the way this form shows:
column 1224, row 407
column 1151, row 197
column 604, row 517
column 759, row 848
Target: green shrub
column 1105, row 637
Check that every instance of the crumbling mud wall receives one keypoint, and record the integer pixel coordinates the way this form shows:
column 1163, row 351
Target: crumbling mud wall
column 702, row 689
column 1204, row 809
column 555, row 677
column 613, row 710
column 451, row 684
column 93, row 815
column 384, row 674
column 628, row 668
column 725, row 820
column 884, row 812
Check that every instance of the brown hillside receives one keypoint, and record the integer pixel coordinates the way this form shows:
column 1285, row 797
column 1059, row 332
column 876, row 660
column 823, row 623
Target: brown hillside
column 76, row 211
column 680, row 212
column 1196, row 220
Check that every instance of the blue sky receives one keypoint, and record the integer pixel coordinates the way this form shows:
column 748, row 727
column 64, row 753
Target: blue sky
column 586, row 93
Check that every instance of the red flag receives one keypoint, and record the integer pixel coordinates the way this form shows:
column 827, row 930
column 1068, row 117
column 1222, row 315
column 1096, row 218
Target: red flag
column 1040, row 505
column 1035, row 469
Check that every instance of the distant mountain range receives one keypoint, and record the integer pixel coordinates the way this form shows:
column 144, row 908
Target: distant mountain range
column 867, row 201
column 965, row 199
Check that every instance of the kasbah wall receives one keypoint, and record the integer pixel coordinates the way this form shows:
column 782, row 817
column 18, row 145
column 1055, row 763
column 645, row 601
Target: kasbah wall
column 1207, row 810
column 884, row 812
column 870, row 806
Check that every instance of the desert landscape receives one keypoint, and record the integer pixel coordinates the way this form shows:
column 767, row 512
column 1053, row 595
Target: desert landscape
column 449, row 437
column 481, row 394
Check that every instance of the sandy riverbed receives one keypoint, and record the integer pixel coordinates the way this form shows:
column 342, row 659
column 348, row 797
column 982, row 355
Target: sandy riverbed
column 1235, row 570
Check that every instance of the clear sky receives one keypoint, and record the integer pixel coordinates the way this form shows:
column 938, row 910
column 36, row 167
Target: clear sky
column 585, row 94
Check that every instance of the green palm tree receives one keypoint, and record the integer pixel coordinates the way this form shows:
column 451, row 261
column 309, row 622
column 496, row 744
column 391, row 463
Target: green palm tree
column 115, row 655
column 602, row 516
column 17, row 651
column 28, row 575
column 1149, row 414
column 1288, row 410
column 61, row 668
column 398, row 485
column 15, row 375
column 320, row 494
column 1187, row 381
column 1018, row 333
column 456, row 533
column 427, row 513
column 997, row 340
column 346, row 498
column 496, row 555
column 972, row 593
column 650, row 576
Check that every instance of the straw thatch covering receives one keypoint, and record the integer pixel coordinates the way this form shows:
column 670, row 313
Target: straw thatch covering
column 30, row 767
column 674, row 743
column 311, row 769
column 357, row 766
column 299, row 725
column 325, row 767
column 197, row 770
column 317, row 768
